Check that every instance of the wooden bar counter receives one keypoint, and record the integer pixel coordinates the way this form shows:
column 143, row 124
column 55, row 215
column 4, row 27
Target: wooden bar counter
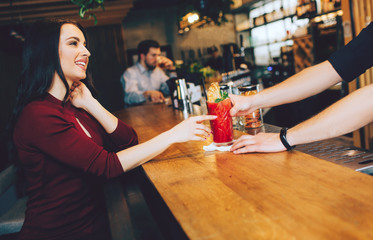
column 219, row 195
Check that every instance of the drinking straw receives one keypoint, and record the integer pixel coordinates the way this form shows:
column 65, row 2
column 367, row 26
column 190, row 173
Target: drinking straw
column 204, row 87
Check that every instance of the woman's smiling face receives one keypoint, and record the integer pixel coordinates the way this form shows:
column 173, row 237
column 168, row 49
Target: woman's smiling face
column 73, row 53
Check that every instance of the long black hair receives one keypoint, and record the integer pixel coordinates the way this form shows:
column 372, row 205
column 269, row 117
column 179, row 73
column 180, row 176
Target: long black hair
column 40, row 61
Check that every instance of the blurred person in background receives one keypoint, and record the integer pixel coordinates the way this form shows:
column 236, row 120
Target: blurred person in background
column 146, row 80
column 215, row 61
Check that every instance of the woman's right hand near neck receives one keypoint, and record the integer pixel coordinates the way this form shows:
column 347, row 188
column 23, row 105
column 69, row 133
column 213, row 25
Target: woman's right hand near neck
column 80, row 96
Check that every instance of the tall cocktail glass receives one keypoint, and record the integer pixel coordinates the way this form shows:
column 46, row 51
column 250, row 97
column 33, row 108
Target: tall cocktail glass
column 222, row 126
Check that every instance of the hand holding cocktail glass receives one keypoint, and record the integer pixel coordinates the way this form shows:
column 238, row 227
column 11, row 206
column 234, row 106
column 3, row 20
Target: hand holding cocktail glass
column 261, row 142
column 242, row 105
column 253, row 119
column 192, row 129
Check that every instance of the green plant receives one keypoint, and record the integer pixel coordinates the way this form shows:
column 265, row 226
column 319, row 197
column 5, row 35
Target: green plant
column 224, row 95
column 88, row 5
column 207, row 71
column 195, row 67
column 198, row 68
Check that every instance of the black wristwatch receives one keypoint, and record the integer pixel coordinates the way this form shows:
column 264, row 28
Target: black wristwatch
column 284, row 140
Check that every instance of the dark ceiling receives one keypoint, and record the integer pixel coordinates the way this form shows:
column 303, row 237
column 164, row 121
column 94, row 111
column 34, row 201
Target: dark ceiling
column 16, row 11
column 144, row 4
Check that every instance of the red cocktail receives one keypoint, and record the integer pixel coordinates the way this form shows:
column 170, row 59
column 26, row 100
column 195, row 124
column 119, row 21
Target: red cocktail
column 222, row 126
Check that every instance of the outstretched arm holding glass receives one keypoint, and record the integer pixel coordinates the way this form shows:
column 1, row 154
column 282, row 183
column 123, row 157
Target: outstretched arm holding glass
column 348, row 114
column 190, row 129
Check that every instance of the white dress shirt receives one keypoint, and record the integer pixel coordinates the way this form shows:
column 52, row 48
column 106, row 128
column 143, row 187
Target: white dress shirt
column 136, row 80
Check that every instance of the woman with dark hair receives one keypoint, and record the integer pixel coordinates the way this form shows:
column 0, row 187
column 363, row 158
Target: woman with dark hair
column 65, row 141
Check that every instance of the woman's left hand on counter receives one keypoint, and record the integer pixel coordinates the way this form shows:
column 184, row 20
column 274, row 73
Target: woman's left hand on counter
column 262, row 142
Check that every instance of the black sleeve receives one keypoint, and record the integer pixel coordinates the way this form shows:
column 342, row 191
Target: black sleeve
column 356, row 57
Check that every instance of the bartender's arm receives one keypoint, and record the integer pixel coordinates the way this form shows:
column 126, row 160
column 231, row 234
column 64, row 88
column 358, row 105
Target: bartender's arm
column 349, row 62
column 350, row 113
column 304, row 84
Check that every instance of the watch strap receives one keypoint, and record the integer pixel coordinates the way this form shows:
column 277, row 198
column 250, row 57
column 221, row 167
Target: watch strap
column 283, row 139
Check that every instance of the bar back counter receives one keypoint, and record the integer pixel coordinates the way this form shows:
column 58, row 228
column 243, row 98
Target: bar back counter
column 187, row 193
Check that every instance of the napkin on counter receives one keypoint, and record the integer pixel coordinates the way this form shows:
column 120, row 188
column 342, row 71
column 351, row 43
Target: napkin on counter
column 213, row 147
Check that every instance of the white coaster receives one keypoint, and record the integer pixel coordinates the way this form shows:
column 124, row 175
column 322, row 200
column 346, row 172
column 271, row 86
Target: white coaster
column 213, row 147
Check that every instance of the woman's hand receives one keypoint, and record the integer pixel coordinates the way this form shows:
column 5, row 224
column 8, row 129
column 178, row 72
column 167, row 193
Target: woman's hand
column 192, row 129
column 80, row 96
column 241, row 105
column 262, row 142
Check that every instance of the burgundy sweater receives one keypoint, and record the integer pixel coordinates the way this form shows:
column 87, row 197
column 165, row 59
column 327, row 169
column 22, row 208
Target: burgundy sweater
column 64, row 168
